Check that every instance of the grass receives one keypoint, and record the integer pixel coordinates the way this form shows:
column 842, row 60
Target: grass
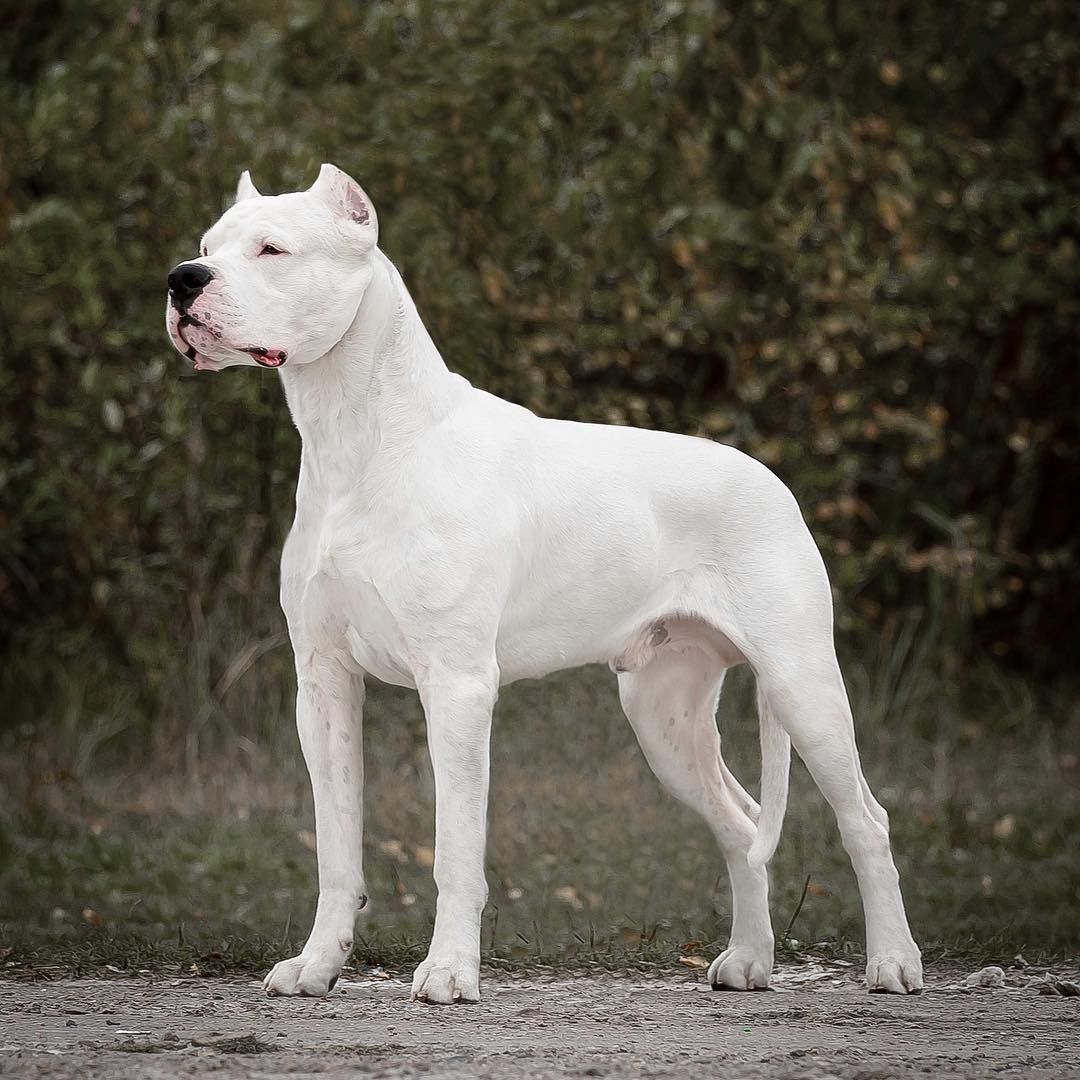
column 201, row 860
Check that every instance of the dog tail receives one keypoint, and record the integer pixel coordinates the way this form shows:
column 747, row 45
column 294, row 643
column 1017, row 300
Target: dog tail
column 775, row 766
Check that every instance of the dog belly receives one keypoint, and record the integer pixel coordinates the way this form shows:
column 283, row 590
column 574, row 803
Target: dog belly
column 532, row 655
column 585, row 620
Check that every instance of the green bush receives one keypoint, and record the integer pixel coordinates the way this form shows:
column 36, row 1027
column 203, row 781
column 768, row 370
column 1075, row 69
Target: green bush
column 842, row 238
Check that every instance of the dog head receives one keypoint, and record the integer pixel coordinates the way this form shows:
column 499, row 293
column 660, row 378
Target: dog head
column 278, row 278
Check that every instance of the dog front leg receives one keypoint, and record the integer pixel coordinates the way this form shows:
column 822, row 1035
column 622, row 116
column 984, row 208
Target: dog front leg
column 459, row 726
column 329, row 703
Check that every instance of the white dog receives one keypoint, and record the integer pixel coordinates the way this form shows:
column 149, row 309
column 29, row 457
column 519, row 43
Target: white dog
column 450, row 541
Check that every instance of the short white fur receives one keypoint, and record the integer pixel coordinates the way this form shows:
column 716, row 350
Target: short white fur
column 450, row 541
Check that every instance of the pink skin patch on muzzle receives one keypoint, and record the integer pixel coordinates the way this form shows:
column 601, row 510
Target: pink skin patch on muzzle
column 183, row 327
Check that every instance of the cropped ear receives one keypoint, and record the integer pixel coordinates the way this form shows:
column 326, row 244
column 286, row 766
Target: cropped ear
column 346, row 198
column 246, row 189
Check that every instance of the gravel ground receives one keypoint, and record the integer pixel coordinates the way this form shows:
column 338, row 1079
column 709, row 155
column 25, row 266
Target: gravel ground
column 819, row 1024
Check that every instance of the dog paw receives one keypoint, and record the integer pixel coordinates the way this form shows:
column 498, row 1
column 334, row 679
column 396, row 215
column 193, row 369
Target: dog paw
column 741, row 967
column 447, row 980
column 895, row 973
column 303, row 976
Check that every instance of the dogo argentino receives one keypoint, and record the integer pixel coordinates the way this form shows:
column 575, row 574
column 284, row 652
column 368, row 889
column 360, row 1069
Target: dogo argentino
column 450, row 541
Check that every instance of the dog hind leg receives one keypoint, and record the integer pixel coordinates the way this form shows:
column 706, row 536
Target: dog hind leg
column 812, row 705
column 671, row 705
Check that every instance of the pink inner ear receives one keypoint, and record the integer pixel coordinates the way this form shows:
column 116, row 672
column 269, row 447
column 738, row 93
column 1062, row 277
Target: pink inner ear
column 357, row 207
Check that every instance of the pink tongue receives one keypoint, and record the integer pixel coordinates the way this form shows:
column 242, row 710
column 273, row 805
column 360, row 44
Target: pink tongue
column 271, row 357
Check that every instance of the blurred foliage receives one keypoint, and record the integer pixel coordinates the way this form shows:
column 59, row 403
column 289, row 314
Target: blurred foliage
column 842, row 237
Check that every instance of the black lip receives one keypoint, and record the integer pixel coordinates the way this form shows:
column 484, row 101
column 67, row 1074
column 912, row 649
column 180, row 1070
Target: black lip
column 184, row 321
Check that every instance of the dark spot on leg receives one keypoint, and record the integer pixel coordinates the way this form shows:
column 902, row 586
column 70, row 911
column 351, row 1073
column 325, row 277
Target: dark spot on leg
column 333, row 983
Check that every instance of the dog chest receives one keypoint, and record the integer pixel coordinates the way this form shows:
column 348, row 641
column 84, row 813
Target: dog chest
column 375, row 657
column 332, row 600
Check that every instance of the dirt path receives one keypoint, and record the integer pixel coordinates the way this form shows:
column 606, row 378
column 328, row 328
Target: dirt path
column 819, row 1025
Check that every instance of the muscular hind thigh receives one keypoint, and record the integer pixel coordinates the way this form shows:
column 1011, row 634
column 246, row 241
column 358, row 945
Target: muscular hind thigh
column 671, row 705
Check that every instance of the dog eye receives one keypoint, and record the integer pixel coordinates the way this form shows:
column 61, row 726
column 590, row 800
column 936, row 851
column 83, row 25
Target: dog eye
column 270, row 249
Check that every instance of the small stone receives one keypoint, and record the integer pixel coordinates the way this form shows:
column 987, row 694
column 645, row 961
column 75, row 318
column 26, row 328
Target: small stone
column 992, row 976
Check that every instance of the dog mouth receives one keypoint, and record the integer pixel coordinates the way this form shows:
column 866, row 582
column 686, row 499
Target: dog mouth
column 269, row 358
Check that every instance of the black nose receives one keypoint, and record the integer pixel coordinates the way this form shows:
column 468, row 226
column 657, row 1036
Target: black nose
column 186, row 281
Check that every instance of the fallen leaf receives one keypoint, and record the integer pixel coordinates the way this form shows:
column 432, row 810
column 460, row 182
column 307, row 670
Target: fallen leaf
column 394, row 848
column 694, row 961
column 568, row 894
column 1004, row 827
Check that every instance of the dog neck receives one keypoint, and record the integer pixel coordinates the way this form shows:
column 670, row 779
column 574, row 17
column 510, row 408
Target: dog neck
column 373, row 393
